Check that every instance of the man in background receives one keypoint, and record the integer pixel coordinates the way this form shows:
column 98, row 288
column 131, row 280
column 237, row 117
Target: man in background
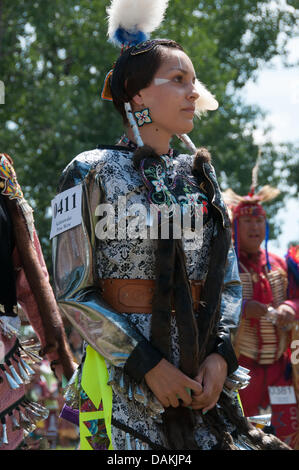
column 269, row 319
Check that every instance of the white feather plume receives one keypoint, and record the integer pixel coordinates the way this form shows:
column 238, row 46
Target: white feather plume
column 206, row 101
column 135, row 15
column 255, row 171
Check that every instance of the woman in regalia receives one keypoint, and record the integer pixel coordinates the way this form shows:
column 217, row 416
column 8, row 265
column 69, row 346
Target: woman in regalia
column 155, row 308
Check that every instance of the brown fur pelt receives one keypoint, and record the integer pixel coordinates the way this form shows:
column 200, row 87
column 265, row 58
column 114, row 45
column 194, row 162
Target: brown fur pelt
column 255, row 436
column 208, row 313
column 171, row 278
column 143, row 152
column 178, row 425
column 54, row 336
column 172, row 284
column 202, row 156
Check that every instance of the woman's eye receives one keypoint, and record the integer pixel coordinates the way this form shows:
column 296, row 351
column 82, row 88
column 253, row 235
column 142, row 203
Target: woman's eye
column 178, row 78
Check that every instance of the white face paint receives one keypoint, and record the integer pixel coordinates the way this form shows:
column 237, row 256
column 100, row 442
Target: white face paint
column 161, row 81
column 180, row 63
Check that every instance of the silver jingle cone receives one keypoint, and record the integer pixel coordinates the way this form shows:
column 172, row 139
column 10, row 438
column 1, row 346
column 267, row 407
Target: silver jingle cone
column 4, row 439
column 27, row 367
column 24, row 375
column 12, row 383
column 15, row 375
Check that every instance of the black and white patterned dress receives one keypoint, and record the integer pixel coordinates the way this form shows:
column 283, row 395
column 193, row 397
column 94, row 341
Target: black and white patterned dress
column 135, row 259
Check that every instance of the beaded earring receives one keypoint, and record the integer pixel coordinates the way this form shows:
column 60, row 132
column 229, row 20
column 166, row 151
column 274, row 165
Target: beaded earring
column 143, row 117
column 133, row 124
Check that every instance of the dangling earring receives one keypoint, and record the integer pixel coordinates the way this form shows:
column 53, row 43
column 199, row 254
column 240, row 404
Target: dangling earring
column 143, row 117
column 133, row 124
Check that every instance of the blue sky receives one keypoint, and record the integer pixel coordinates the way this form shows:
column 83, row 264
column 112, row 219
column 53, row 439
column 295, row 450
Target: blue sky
column 276, row 91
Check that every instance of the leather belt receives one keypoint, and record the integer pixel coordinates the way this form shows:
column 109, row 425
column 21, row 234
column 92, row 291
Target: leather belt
column 135, row 295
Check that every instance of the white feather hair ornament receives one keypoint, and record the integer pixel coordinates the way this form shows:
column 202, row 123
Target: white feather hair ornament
column 205, row 101
column 131, row 21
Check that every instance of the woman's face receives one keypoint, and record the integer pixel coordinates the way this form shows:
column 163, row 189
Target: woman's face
column 171, row 96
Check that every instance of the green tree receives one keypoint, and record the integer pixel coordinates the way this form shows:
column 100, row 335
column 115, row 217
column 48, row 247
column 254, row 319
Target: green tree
column 54, row 56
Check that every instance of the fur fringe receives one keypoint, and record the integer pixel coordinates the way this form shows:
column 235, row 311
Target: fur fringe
column 202, row 156
column 143, row 152
column 255, row 436
column 54, row 338
column 266, row 193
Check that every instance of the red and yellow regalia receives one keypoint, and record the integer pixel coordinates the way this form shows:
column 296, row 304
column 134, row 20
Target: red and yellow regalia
column 261, row 346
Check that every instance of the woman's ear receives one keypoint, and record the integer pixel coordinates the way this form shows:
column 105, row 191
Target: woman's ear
column 138, row 100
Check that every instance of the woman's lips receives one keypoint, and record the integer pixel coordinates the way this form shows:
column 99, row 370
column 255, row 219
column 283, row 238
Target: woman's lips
column 189, row 110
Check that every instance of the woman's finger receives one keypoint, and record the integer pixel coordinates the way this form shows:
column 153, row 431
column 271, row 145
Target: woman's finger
column 200, row 401
column 194, row 385
column 164, row 402
column 185, row 396
column 173, row 400
column 199, row 377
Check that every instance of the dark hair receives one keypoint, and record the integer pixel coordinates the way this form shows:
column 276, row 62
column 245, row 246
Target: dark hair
column 132, row 73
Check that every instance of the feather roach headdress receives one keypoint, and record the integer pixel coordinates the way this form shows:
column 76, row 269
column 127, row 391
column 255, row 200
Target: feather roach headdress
column 130, row 23
column 250, row 205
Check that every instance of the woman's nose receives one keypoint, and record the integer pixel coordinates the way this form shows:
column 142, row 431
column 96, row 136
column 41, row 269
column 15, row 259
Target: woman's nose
column 193, row 93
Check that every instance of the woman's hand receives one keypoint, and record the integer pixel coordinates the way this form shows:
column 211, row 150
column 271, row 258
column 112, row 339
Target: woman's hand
column 211, row 376
column 169, row 384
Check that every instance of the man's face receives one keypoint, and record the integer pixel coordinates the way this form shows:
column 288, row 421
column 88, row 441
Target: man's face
column 252, row 231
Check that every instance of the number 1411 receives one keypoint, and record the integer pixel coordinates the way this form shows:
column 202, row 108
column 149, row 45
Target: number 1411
column 65, row 205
